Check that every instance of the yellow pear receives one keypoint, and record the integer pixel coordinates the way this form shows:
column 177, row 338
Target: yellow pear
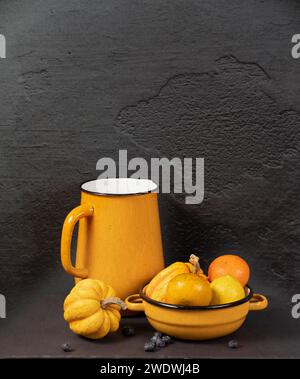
column 226, row 289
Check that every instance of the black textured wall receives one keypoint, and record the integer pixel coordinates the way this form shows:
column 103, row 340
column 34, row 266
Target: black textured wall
column 212, row 79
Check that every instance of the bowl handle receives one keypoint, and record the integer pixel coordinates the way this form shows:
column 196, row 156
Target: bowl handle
column 135, row 303
column 258, row 302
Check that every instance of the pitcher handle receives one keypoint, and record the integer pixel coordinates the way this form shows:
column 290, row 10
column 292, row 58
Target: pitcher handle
column 84, row 210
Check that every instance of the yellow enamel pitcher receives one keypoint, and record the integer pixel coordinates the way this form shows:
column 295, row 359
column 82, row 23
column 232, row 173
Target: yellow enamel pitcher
column 119, row 238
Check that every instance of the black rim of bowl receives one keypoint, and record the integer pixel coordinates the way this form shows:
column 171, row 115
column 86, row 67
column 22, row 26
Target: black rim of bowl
column 197, row 307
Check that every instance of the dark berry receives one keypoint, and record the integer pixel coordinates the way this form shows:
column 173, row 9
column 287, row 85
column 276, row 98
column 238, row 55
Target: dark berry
column 128, row 331
column 233, row 344
column 160, row 343
column 156, row 338
column 149, row 347
column 66, row 347
column 167, row 339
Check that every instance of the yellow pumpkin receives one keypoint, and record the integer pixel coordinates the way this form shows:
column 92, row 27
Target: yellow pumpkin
column 92, row 309
column 157, row 288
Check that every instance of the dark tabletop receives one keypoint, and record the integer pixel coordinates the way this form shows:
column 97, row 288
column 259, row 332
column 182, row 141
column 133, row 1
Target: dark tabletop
column 35, row 327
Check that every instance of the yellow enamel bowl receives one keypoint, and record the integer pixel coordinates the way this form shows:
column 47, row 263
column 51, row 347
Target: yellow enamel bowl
column 196, row 322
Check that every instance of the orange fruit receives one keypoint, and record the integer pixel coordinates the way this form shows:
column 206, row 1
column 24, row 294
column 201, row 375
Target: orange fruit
column 232, row 265
column 189, row 289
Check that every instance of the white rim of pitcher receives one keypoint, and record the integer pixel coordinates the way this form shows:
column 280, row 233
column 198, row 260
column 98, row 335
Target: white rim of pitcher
column 99, row 193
